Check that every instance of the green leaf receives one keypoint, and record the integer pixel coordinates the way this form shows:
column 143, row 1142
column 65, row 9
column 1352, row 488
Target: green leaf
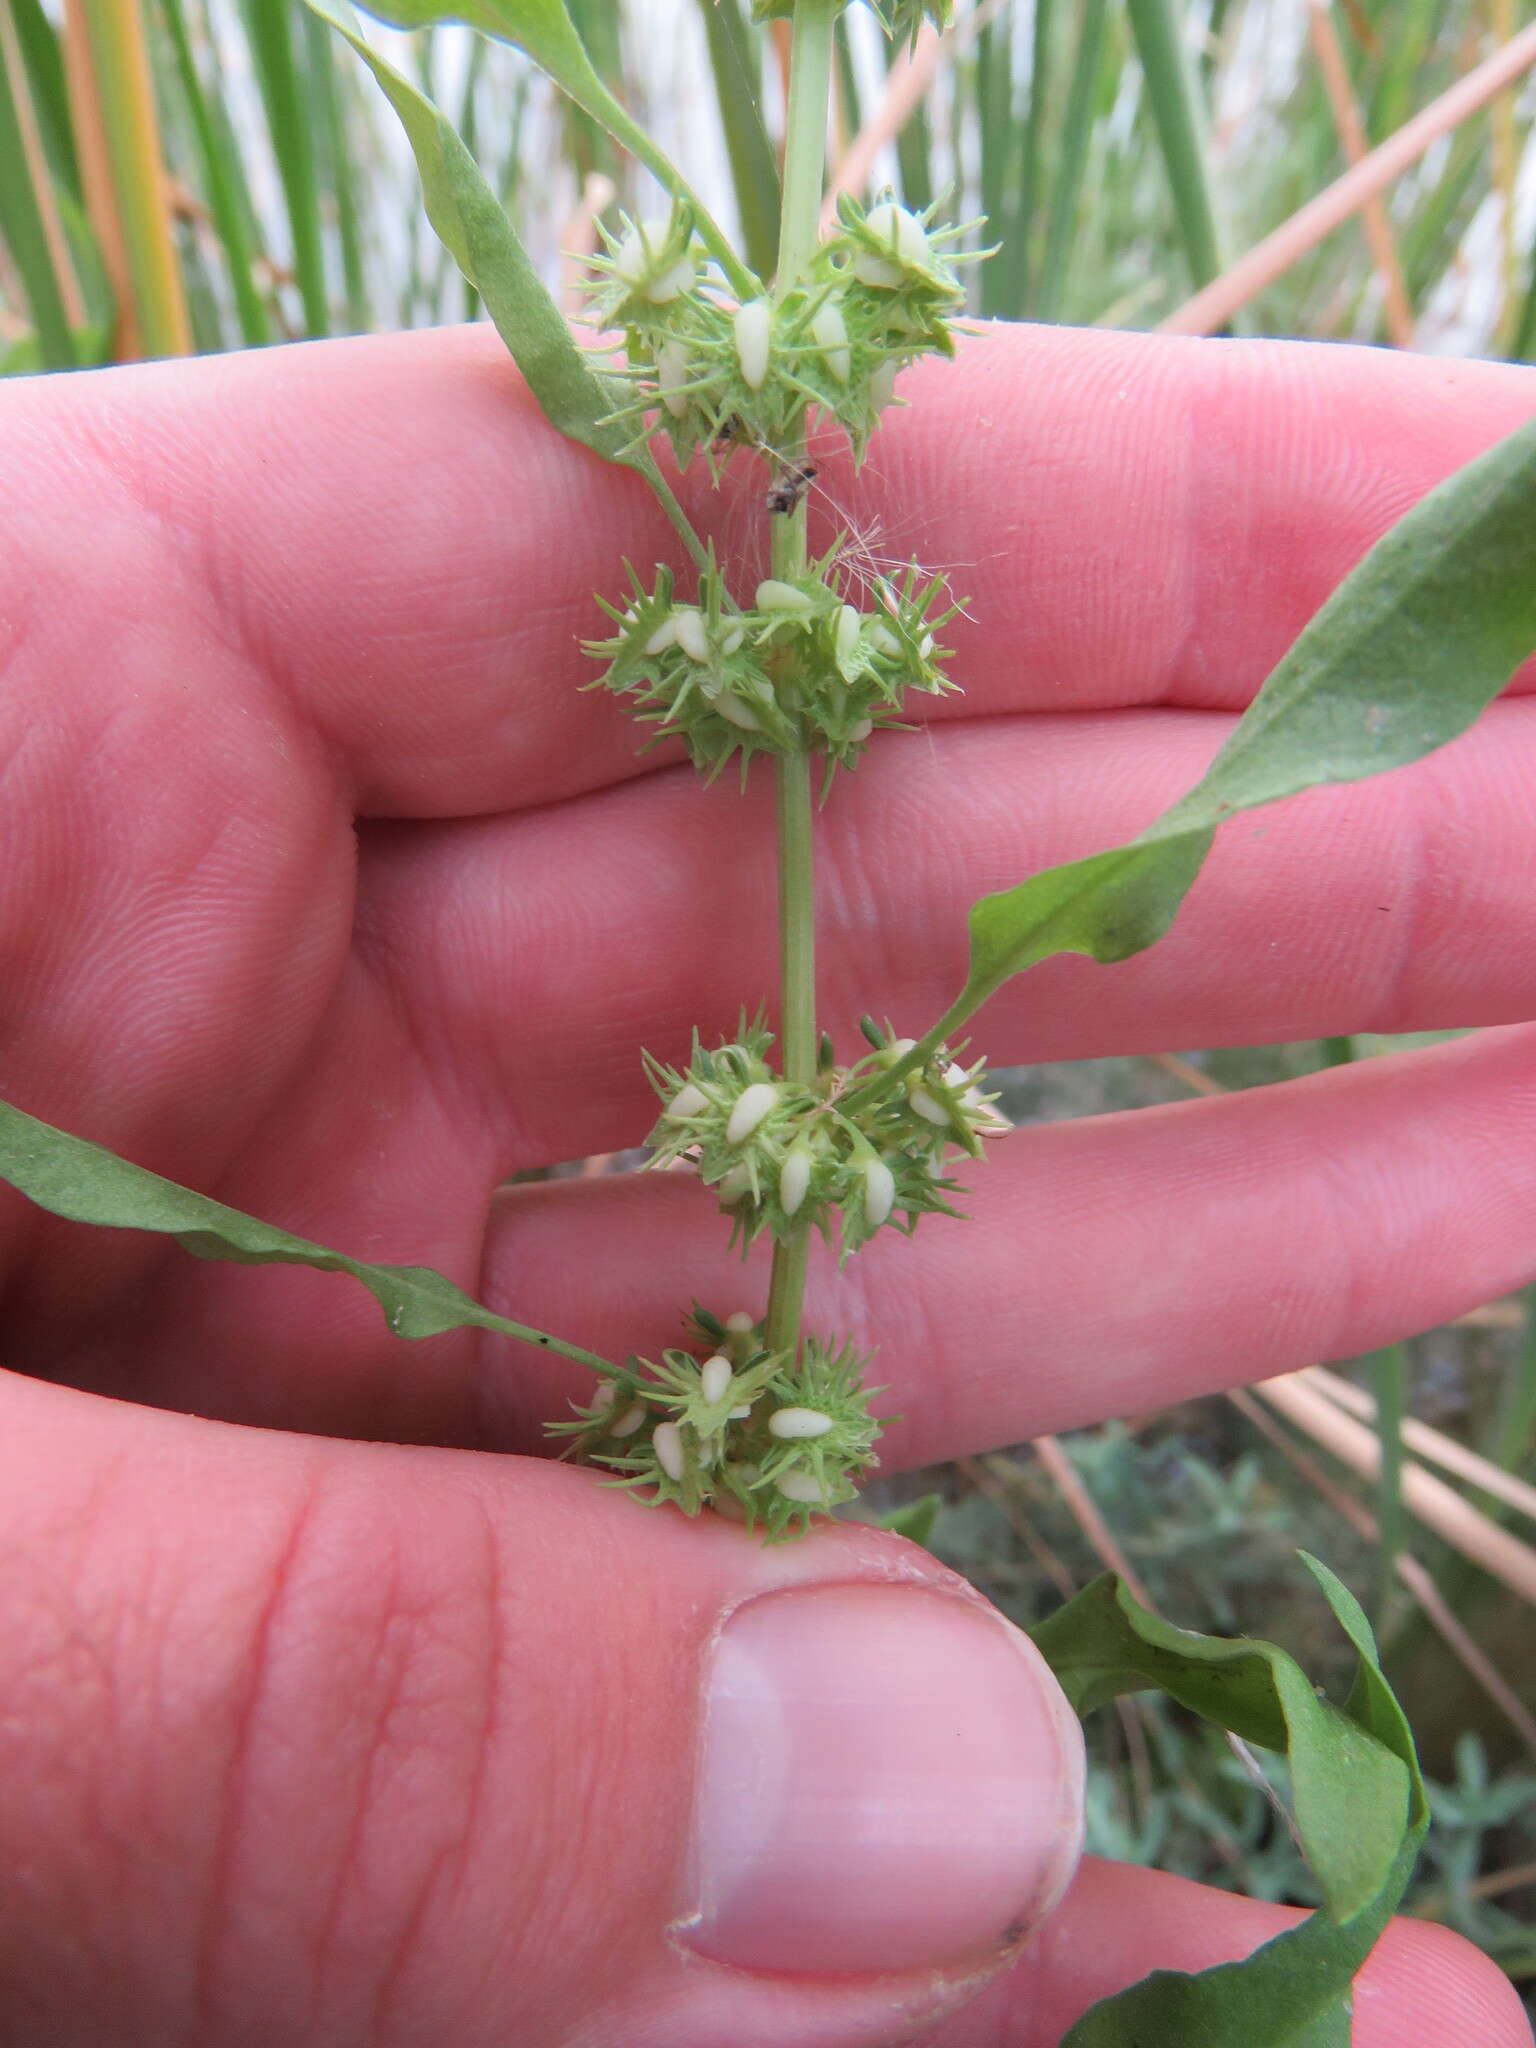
column 1351, row 1790
column 1351, row 1768
column 544, row 31
column 472, row 223
column 1402, row 658
column 1294, row 1992
column 914, row 1519
column 86, row 1183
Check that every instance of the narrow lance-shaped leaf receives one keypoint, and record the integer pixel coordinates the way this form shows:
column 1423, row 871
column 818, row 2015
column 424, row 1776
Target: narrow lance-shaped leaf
column 544, row 31
column 1402, row 658
column 86, row 1183
column 1295, row 1991
column 473, row 225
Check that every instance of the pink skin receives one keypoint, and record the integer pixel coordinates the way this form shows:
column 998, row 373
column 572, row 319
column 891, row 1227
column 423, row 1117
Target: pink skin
column 324, row 890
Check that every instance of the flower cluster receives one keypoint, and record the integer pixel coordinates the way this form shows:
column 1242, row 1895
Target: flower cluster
column 801, row 670
column 764, row 1438
column 716, row 373
column 781, row 1157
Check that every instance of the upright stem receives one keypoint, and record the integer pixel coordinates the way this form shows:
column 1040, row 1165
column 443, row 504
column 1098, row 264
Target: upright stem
column 805, row 145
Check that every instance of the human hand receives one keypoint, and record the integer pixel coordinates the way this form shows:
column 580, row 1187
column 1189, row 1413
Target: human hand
column 327, row 893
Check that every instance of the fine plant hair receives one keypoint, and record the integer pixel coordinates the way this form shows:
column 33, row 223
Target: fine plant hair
column 760, row 657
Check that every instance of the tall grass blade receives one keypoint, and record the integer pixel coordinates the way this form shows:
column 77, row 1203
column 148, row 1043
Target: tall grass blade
column 914, row 144
column 1388, row 1374
column 993, row 81
column 43, row 62
column 1014, row 262
column 113, row 43
column 23, row 195
column 269, row 26
column 222, row 185
column 1179, row 117
column 734, row 57
column 1071, row 160
column 335, row 158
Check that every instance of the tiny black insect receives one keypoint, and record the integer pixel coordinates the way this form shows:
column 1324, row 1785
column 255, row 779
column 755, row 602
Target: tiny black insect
column 791, row 487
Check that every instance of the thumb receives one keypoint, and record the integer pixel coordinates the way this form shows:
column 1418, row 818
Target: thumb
column 353, row 1745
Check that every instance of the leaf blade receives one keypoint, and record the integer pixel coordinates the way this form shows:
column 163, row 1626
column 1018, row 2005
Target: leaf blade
column 1400, row 660
column 85, row 1183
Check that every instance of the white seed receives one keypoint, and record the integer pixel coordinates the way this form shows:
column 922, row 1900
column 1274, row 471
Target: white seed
column 637, row 251
column 733, row 639
column 861, row 728
column 663, row 289
column 902, row 1045
column 688, row 1101
column 901, row 232
column 729, row 1508
column 925, row 646
column 740, row 1414
column 799, row 1423
column 882, row 639
column 803, row 1487
column 692, row 636
column 877, row 271
column 774, row 596
column 672, row 368
column 932, row 1112
column 882, row 386
column 954, row 1075
column 847, row 632
column 829, row 330
column 752, row 324
column 664, row 636
column 667, row 1442
column 607, row 1390
column 734, row 712
column 715, row 1376
column 794, row 1179
column 733, row 1184
column 752, row 1105
column 629, row 1421
column 741, row 1321
column 879, row 1192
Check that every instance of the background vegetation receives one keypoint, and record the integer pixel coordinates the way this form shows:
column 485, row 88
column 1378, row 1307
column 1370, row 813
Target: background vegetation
column 180, row 175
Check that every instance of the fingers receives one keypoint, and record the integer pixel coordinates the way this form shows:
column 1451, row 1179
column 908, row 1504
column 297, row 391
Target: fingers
column 1117, row 1924
column 1109, row 1265
column 345, row 1746
column 539, row 952
column 388, row 529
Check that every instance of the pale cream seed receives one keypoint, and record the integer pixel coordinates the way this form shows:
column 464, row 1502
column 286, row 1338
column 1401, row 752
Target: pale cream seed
column 799, row 1424
column 752, row 1105
column 752, row 324
column 802, row 1487
column 629, row 1421
column 667, row 1442
column 692, row 635
column 715, row 1376
column 879, row 1192
column 690, row 1100
column 794, row 1180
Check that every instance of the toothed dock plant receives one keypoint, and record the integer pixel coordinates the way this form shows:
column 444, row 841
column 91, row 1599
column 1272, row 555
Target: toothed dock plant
column 795, row 674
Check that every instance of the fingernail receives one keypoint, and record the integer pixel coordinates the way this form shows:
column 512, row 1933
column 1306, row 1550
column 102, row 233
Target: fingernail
column 889, row 1780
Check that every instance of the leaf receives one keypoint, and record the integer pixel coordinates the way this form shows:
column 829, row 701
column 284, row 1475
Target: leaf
column 1295, row 1991
column 1402, row 658
column 914, row 1519
column 1351, row 1789
column 86, row 1183
column 472, row 223
column 544, row 31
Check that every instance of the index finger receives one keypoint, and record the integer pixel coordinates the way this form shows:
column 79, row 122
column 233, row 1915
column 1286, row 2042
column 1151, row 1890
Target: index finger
column 389, row 530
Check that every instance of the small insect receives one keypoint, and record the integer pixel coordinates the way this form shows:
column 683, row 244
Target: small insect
column 730, row 430
column 791, row 487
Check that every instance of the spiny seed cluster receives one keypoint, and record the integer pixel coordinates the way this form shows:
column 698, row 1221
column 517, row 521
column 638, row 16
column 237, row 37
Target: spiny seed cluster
column 760, row 1437
column 717, row 373
column 801, row 670
column 782, row 1156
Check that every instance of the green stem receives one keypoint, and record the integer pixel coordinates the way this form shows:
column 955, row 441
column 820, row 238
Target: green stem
column 805, row 148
